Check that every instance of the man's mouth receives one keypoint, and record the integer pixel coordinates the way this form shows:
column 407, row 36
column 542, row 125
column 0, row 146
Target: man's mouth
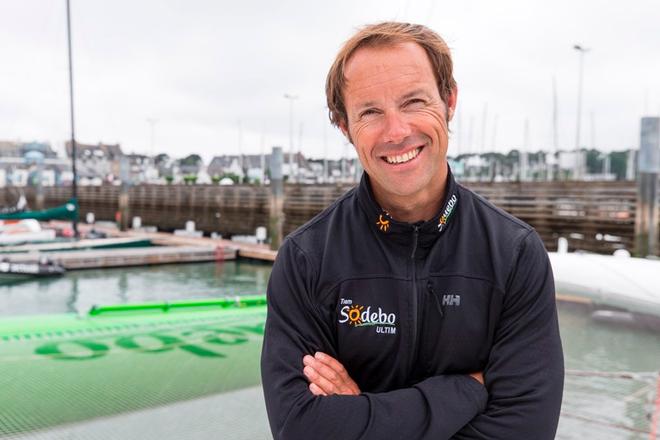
column 402, row 158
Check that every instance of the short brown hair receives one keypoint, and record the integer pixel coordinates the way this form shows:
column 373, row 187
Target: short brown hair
column 384, row 34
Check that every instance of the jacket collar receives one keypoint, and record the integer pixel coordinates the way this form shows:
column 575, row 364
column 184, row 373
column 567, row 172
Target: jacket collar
column 384, row 224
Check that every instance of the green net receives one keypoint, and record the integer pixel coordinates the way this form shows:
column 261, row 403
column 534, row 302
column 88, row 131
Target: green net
column 610, row 405
column 96, row 367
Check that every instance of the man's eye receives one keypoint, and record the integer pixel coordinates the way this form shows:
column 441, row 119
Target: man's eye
column 368, row 112
column 416, row 102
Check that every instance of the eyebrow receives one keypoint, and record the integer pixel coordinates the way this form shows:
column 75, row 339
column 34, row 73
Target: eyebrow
column 366, row 105
column 413, row 93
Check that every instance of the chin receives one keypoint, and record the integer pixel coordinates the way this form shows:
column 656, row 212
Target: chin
column 404, row 189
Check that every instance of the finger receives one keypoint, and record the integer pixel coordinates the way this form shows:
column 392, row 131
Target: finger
column 328, row 373
column 334, row 371
column 314, row 370
column 478, row 376
column 331, row 362
column 316, row 390
column 323, row 369
column 324, row 375
column 320, row 381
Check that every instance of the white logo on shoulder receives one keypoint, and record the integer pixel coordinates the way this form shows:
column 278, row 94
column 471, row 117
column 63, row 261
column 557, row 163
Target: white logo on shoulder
column 357, row 315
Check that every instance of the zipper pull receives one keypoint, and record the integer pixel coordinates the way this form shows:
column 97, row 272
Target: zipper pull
column 415, row 238
column 438, row 306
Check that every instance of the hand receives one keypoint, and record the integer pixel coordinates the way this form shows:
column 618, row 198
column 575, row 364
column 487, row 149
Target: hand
column 478, row 376
column 328, row 376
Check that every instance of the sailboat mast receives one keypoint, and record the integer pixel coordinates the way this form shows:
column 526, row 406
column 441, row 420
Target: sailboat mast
column 74, row 184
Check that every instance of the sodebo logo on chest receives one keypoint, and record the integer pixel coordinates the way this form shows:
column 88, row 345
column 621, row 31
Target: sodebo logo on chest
column 361, row 316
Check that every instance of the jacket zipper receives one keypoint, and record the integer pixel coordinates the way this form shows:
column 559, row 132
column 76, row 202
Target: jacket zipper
column 429, row 287
column 414, row 299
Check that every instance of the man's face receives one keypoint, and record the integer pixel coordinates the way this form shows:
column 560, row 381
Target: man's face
column 396, row 119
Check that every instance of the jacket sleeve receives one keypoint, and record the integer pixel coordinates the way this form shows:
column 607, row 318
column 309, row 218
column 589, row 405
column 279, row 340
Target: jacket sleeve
column 435, row 408
column 525, row 371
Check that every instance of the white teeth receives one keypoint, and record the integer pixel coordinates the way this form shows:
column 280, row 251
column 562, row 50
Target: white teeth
column 403, row 157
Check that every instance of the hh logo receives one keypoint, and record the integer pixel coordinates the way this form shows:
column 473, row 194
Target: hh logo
column 451, row 300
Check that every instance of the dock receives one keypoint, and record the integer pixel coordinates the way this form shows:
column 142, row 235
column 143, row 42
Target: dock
column 166, row 249
column 243, row 250
column 261, row 252
column 106, row 258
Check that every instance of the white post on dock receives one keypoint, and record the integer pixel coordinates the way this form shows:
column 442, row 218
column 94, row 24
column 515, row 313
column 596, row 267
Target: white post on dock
column 261, row 233
column 646, row 218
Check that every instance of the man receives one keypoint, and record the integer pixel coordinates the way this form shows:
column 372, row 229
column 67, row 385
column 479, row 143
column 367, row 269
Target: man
column 411, row 308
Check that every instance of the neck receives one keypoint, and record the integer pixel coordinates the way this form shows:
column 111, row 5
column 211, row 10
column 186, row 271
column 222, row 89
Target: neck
column 413, row 208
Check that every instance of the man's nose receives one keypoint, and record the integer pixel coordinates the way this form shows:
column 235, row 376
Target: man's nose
column 396, row 128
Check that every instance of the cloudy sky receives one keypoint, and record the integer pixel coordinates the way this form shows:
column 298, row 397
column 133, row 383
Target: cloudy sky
column 211, row 75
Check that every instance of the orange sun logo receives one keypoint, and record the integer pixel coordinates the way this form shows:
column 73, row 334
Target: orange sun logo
column 354, row 315
column 383, row 225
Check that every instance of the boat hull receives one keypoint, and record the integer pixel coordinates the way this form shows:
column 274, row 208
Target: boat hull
column 67, row 211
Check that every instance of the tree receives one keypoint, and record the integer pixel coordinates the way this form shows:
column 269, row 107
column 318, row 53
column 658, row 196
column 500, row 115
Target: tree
column 619, row 164
column 594, row 161
column 190, row 179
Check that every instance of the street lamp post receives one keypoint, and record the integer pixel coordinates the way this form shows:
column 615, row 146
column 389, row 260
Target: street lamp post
column 291, row 98
column 582, row 51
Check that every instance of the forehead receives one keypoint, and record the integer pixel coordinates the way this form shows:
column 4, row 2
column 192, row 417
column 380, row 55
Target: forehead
column 371, row 70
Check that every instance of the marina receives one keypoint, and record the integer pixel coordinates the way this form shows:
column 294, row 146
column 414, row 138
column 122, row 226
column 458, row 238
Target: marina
column 136, row 305
column 174, row 320
column 138, row 233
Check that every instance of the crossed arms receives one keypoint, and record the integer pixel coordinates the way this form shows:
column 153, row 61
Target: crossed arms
column 523, row 376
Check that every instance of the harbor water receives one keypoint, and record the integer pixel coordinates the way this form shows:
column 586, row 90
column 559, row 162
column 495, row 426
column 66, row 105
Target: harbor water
column 616, row 405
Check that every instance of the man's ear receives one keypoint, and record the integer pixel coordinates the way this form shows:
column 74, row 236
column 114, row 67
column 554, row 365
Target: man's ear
column 451, row 103
column 344, row 129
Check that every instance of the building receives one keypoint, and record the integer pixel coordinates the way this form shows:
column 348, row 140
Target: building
column 141, row 169
column 97, row 161
column 30, row 163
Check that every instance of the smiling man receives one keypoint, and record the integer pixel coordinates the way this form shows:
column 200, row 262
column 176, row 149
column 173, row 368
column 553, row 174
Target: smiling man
column 411, row 308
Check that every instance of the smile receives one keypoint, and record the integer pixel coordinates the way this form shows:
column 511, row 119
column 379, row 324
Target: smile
column 403, row 158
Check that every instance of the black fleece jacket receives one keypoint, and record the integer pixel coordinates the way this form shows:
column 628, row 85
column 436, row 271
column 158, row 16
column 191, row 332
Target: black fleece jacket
column 410, row 310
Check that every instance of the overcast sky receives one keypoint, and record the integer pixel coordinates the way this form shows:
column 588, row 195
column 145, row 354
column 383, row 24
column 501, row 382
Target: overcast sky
column 206, row 71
